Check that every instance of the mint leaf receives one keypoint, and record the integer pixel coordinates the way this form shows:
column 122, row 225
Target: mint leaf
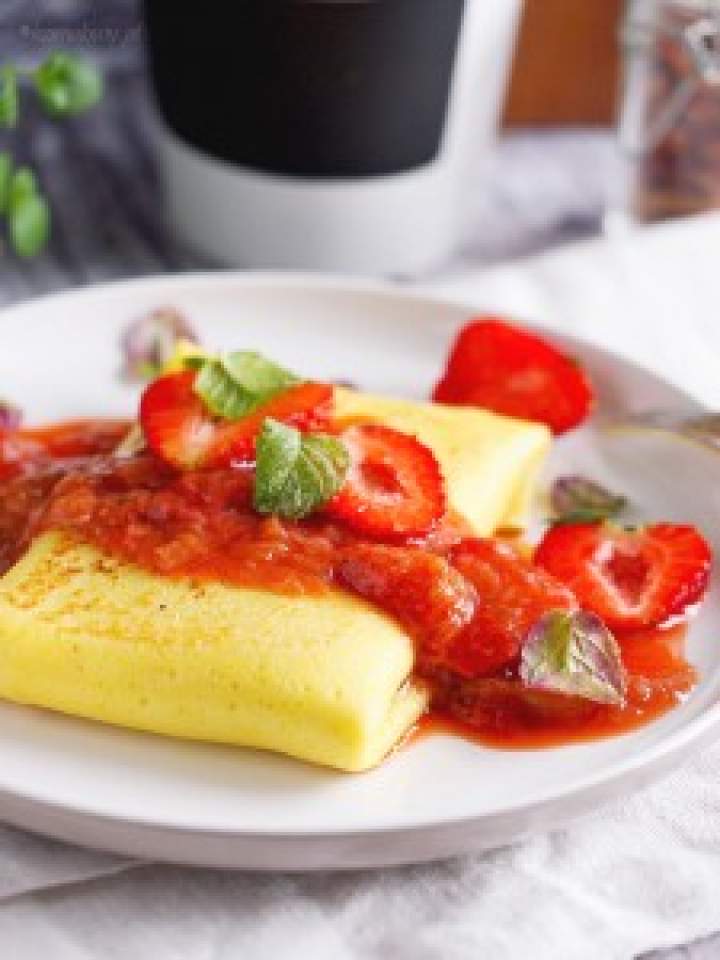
column 576, row 499
column 67, row 85
column 10, row 415
column 257, row 374
column 9, row 100
column 238, row 383
column 6, row 169
column 151, row 342
column 296, row 473
column 23, row 184
column 574, row 654
column 29, row 223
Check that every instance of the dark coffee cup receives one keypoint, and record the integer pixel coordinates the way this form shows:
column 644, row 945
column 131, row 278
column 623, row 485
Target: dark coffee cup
column 325, row 133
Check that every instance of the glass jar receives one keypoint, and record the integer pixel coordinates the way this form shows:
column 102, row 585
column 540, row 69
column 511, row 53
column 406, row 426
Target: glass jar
column 670, row 116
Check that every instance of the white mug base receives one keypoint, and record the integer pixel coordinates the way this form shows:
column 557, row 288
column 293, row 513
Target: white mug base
column 399, row 224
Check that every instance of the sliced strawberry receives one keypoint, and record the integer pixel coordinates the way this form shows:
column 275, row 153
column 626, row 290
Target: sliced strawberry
column 512, row 371
column 394, row 487
column 512, row 595
column 175, row 422
column 631, row 579
column 307, row 406
column 179, row 428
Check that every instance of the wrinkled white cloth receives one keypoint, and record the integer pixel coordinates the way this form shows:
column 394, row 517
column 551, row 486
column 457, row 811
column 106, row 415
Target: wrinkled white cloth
column 639, row 874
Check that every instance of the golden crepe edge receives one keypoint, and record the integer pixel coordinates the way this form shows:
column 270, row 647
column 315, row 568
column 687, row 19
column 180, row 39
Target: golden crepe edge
column 325, row 679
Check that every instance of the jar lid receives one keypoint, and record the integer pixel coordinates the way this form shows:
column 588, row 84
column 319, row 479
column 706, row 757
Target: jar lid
column 693, row 24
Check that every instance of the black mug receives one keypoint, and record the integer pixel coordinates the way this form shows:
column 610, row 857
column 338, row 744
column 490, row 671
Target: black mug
column 324, row 133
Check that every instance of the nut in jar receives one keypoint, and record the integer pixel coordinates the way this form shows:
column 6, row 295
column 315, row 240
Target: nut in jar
column 670, row 120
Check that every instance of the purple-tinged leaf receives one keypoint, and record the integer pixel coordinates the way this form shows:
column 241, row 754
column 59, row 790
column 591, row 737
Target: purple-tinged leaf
column 576, row 499
column 575, row 654
column 10, row 416
column 149, row 342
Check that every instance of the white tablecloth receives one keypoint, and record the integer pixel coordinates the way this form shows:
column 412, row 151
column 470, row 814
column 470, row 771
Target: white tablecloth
column 636, row 875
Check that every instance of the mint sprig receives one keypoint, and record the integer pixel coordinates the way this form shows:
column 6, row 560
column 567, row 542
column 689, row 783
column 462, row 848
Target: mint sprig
column 10, row 415
column 236, row 384
column 65, row 86
column 9, row 98
column 295, row 473
column 574, row 654
column 6, row 176
column 29, row 223
column 577, row 499
column 28, row 213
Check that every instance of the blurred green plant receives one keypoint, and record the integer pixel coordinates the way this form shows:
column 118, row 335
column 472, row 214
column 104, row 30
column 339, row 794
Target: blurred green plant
column 65, row 86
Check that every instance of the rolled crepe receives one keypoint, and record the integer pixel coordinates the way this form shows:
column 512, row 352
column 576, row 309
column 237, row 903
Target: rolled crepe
column 490, row 463
column 325, row 678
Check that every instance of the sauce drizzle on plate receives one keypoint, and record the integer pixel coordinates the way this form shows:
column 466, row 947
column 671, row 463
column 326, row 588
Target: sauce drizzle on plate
column 200, row 524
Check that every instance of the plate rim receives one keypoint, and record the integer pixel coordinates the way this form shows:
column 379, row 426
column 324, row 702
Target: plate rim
column 657, row 758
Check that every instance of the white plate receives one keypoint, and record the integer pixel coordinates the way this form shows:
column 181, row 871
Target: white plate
column 154, row 797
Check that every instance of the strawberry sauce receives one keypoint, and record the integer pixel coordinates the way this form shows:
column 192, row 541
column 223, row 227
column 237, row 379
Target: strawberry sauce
column 500, row 712
column 201, row 524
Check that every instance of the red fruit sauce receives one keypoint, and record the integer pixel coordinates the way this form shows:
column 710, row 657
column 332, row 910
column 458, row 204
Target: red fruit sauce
column 200, row 524
column 502, row 713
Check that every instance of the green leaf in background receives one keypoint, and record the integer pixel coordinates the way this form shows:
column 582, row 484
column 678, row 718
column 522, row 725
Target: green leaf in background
column 6, row 171
column 67, row 85
column 29, row 224
column 9, row 101
column 23, row 185
column 238, row 383
column 296, row 473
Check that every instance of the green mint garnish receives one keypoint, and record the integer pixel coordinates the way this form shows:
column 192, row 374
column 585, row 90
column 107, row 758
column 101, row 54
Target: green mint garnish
column 193, row 363
column 67, row 85
column 23, row 184
column 9, row 101
column 575, row 499
column 6, row 170
column 296, row 473
column 574, row 654
column 29, row 225
column 28, row 213
column 238, row 383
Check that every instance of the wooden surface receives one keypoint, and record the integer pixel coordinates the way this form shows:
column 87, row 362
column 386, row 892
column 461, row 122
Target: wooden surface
column 567, row 63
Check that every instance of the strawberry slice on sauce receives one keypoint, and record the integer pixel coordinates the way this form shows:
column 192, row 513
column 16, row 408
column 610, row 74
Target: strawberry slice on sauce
column 180, row 430
column 514, row 372
column 512, row 595
column 632, row 579
column 394, row 486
